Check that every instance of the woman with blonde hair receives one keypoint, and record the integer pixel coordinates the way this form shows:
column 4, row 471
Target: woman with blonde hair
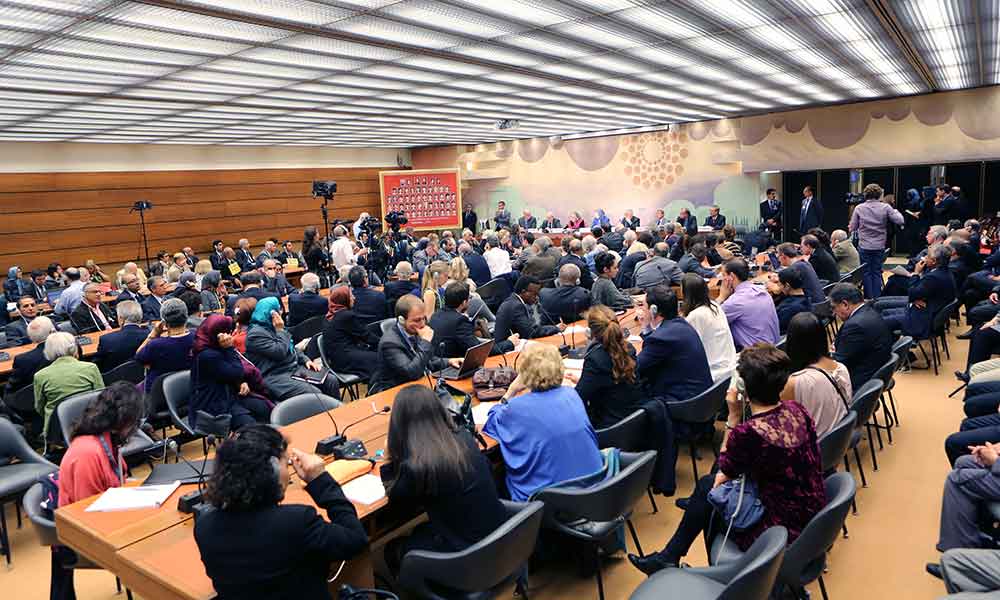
column 432, row 284
column 607, row 384
column 200, row 269
column 96, row 274
column 458, row 272
column 543, row 430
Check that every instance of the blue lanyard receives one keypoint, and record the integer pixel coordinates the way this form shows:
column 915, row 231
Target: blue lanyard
column 115, row 464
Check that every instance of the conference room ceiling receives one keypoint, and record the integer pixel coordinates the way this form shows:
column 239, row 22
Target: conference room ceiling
column 412, row 73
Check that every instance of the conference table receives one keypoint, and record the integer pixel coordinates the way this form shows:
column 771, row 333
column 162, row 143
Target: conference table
column 154, row 552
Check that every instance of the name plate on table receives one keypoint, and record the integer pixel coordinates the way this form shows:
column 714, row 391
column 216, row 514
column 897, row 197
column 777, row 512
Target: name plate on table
column 292, row 263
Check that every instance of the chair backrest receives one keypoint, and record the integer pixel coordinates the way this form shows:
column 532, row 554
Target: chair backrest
column 322, row 354
column 608, row 500
column 384, row 325
column 71, row 409
column 759, row 567
column 303, row 406
column 45, row 528
column 483, row 565
column 865, row 400
column 902, row 347
column 886, row 371
column 177, row 393
column 805, row 558
column 857, row 275
column 702, row 408
column 155, row 400
column 782, row 342
column 833, row 444
column 941, row 318
column 824, row 309
column 130, row 371
column 495, row 291
column 13, row 445
column 828, row 287
column 627, row 435
column 23, row 400
column 66, row 326
column 307, row 328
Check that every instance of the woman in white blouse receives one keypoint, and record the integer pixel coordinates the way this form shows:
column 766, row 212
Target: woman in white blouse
column 710, row 322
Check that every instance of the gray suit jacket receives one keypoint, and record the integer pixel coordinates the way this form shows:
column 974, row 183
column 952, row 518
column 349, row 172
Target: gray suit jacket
column 399, row 362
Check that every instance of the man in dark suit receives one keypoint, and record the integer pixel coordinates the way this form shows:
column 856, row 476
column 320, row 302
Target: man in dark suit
column 190, row 257
column 251, row 289
column 469, row 219
column 551, row 222
column 715, row 220
column 273, row 280
column 688, row 222
column 502, row 217
column 130, row 289
column 567, row 300
column 244, row 257
column 307, row 303
column 369, row 303
column 405, row 352
column 518, row 313
column 401, row 285
column 218, row 259
column 931, row 288
column 770, row 214
column 811, row 213
column 287, row 252
column 527, row 221
column 614, row 240
column 630, row 221
column 35, row 287
column 946, row 205
column 119, row 347
column 16, row 331
column 91, row 314
column 575, row 257
column 268, row 253
column 151, row 303
column 864, row 341
column 28, row 363
column 479, row 271
column 454, row 332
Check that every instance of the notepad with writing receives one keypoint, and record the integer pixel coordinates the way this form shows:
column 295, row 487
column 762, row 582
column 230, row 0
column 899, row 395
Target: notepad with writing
column 367, row 489
column 133, row 498
column 481, row 412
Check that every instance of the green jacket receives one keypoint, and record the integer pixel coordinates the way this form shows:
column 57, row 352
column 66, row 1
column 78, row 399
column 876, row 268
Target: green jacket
column 65, row 377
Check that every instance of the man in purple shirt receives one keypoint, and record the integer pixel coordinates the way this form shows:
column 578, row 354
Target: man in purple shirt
column 748, row 308
column 870, row 221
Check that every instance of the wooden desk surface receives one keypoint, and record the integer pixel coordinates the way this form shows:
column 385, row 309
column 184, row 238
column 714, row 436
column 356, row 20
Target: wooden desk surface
column 7, row 366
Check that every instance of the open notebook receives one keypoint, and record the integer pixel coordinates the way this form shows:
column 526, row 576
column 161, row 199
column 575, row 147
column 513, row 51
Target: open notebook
column 133, row 498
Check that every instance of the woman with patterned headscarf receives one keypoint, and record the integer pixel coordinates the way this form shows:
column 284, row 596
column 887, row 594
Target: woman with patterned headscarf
column 345, row 342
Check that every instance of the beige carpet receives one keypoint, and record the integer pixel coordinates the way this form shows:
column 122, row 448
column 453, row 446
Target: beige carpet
column 891, row 538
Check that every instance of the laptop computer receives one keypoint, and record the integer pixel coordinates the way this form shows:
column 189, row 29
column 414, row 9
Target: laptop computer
column 53, row 296
column 475, row 357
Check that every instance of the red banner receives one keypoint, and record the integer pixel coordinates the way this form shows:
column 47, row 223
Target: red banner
column 430, row 198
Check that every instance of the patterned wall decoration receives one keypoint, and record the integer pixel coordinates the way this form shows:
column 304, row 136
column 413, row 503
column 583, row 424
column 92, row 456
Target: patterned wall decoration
column 654, row 158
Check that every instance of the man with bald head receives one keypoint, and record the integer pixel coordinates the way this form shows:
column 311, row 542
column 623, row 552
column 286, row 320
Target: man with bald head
column 130, row 289
column 575, row 257
column 568, row 300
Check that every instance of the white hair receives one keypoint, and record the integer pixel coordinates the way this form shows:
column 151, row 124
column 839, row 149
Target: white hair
column 589, row 242
column 838, row 235
column 310, row 282
column 59, row 344
column 404, row 269
column 129, row 311
column 39, row 329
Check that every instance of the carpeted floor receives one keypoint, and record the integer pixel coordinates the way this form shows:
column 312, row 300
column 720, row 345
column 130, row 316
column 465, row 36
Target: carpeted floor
column 891, row 538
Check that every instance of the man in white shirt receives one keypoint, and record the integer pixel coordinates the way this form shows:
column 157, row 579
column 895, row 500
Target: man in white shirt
column 357, row 224
column 496, row 257
column 342, row 249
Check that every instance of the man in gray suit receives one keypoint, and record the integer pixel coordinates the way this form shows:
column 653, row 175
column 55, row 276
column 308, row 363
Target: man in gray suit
column 657, row 269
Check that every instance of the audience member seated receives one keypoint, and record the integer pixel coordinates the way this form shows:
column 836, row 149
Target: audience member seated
column 657, row 269
column 458, row 271
column 255, row 546
column 844, row 251
column 775, row 448
column 405, row 352
column 496, row 257
column 822, row 262
column 167, row 348
column 708, row 320
column 696, row 261
column 251, row 289
column 820, row 384
column 73, row 294
column 864, row 342
column 729, row 248
column 28, row 363
column 91, row 314
column 575, row 257
column 748, row 307
column 715, row 220
column 12, row 285
column 898, row 284
column 93, row 463
column 162, row 264
column 192, row 300
column 544, row 435
column 119, row 347
column 972, row 483
column 221, row 381
column 519, row 314
column 613, row 239
column 402, row 285
column 65, row 376
column 242, row 313
column 454, row 330
column 214, row 294
column 34, row 286
column 55, row 277
column 672, row 364
column 345, row 341
column 607, row 384
column 793, row 298
column 790, row 256
column 425, row 257
column 432, row 285
column 231, row 269
column 16, row 332
column 307, row 303
column 568, row 300
column 270, row 349
column 152, row 303
column 268, row 253
column 479, row 270
column 201, row 268
column 288, row 253
column 438, row 466
column 273, row 279
column 604, row 290
column 131, row 290
column 931, row 288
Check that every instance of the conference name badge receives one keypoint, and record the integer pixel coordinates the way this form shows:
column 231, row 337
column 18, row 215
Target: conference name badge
column 234, row 269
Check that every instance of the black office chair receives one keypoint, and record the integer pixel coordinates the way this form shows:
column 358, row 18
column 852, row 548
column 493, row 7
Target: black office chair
column 885, row 374
column 592, row 514
column 700, row 413
column 20, row 468
column 751, row 577
column 157, row 413
column 628, row 435
column 479, row 569
column 307, row 329
column 177, row 393
column 130, row 371
column 805, row 558
column 864, row 403
column 833, row 447
column 301, row 407
column 137, row 449
column 495, row 291
column 45, row 529
column 349, row 381
column 938, row 332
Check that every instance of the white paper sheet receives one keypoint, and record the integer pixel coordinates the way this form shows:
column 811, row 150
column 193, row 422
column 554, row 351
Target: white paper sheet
column 481, row 411
column 133, row 498
column 367, row 489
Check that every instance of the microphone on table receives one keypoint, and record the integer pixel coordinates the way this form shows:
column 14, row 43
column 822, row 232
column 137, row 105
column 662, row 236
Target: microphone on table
column 564, row 347
column 355, row 449
column 325, row 446
column 191, row 500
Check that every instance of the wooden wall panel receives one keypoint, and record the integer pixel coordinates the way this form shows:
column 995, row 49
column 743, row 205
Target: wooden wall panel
column 72, row 217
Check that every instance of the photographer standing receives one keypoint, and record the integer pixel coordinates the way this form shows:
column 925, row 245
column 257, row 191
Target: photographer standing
column 870, row 222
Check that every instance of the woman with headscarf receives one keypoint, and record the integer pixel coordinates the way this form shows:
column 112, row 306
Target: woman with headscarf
column 345, row 342
column 12, row 286
column 220, row 382
column 213, row 292
column 270, row 349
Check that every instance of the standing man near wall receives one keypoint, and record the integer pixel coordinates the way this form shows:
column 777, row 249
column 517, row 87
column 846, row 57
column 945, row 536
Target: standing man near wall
column 770, row 215
column 871, row 221
column 811, row 214
column 502, row 216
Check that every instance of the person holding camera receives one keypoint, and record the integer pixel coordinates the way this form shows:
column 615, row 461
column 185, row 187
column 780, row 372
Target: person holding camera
column 870, row 222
